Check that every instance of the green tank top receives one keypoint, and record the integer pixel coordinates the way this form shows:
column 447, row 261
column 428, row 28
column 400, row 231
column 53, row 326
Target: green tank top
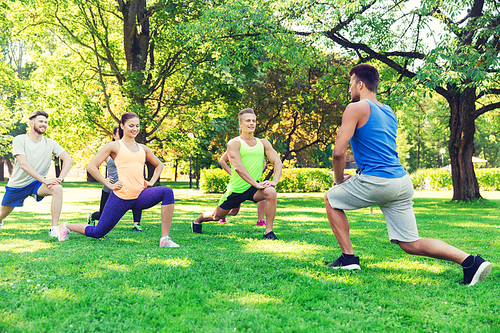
column 252, row 159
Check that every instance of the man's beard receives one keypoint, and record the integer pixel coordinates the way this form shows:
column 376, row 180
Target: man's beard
column 355, row 98
column 38, row 130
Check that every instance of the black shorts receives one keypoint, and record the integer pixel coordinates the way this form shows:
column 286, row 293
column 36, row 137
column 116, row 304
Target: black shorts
column 234, row 200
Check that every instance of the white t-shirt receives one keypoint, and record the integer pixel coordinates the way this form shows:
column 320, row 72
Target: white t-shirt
column 39, row 156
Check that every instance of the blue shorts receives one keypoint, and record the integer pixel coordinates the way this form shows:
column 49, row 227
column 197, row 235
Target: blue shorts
column 234, row 200
column 14, row 197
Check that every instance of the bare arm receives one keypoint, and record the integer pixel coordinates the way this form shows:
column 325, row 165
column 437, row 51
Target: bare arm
column 223, row 163
column 101, row 156
column 151, row 158
column 66, row 160
column 26, row 167
column 352, row 114
column 275, row 160
column 233, row 152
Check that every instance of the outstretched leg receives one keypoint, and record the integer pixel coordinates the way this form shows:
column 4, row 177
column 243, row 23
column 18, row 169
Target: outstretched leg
column 113, row 211
column 215, row 215
column 4, row 212
column 434, row 248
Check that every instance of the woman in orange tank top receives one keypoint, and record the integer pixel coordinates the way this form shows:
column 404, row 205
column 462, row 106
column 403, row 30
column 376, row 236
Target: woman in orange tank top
column 132, row 191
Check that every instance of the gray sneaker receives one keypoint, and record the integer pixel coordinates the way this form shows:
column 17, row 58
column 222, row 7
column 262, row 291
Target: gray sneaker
column 167, row 242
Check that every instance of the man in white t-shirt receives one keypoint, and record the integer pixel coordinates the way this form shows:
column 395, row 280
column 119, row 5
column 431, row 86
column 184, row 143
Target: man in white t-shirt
column 33, row 153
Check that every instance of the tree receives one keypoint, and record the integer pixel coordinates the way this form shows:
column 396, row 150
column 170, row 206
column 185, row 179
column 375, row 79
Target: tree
column 132, row 56
column 298, row 106
column 448, row 46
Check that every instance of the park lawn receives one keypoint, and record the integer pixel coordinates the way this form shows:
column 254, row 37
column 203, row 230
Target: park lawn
column 231, row 280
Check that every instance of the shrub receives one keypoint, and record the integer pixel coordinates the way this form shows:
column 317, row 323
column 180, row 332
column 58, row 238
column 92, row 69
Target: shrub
column 214, row 180
column 292, row 180
column 305, row 180
column 488, row 179
column 440, row 179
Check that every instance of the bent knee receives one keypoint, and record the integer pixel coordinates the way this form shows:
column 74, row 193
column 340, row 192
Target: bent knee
column 56, row 189
column 95, row 232
column 270, row 193
column 168, row 196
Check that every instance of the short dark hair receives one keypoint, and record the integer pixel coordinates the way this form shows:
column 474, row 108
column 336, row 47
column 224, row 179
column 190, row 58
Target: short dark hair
column 367, row 74
column 38, row 113
column 245, row 111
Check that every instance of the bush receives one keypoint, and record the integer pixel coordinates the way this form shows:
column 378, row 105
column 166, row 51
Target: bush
column 440, row 179
column 214, row 180
column 432, row 179
column 488, row 179
column 292, row 180
column 305, row 180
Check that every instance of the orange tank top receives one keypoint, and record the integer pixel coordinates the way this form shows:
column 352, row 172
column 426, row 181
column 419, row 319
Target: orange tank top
column 130, row 167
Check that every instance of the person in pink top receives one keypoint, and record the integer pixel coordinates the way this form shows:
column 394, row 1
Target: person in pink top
column 132, row 191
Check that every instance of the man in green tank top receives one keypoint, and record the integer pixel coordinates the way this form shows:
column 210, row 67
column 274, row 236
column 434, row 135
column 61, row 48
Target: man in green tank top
column 246, row 155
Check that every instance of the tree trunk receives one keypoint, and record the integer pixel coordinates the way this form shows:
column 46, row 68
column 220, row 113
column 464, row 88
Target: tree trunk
column 461, row 145
column 2, row 175
column 135, row 35
column 136, row 38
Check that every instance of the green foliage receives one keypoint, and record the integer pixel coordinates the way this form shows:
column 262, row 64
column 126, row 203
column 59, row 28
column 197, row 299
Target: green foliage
column 488, row 179
column 305, row 180
column 432, row 179
column 214, row 180
column 292, row 180
column 440, row 179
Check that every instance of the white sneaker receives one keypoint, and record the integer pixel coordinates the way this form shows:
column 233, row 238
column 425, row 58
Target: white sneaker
column 63, row 232
column 167, row 242
column 1, row 224
column 54, row 231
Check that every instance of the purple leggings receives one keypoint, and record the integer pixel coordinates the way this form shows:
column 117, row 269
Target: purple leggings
column 115, row 208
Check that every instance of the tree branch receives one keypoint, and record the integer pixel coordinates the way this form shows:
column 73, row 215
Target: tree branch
column 486, row 108
column 488, row 92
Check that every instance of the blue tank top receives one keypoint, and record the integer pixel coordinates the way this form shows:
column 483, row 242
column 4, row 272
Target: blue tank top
column 374, row 144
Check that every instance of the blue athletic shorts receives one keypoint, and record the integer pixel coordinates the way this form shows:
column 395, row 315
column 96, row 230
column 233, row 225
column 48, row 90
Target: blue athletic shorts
column 14, row 197
column 234, row 200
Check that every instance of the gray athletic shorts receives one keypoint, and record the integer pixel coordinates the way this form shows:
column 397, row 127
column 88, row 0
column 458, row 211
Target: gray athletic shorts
column 394, row 196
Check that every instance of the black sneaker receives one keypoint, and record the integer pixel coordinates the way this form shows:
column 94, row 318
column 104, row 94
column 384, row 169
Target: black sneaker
column 477, row 272
column 270, row 235
column 344, row 263
column 196, row 227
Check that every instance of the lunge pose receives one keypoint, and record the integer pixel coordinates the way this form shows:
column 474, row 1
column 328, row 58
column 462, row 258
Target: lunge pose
column 33, row 153
column 246, row 155
column 261, row 205
column 131, row 191
column 113, row 178
column 371, row 128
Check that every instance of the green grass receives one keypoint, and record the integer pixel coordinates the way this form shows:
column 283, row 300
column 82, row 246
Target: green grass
column 230, row 280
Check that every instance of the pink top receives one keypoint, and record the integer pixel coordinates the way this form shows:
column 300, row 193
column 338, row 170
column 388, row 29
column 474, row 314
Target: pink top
column 130, row 167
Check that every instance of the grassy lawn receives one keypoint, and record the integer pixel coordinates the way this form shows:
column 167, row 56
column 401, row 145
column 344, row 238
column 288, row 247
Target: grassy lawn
column 231, row 280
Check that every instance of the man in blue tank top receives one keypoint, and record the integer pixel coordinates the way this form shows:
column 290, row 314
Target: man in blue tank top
column 370, row 127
